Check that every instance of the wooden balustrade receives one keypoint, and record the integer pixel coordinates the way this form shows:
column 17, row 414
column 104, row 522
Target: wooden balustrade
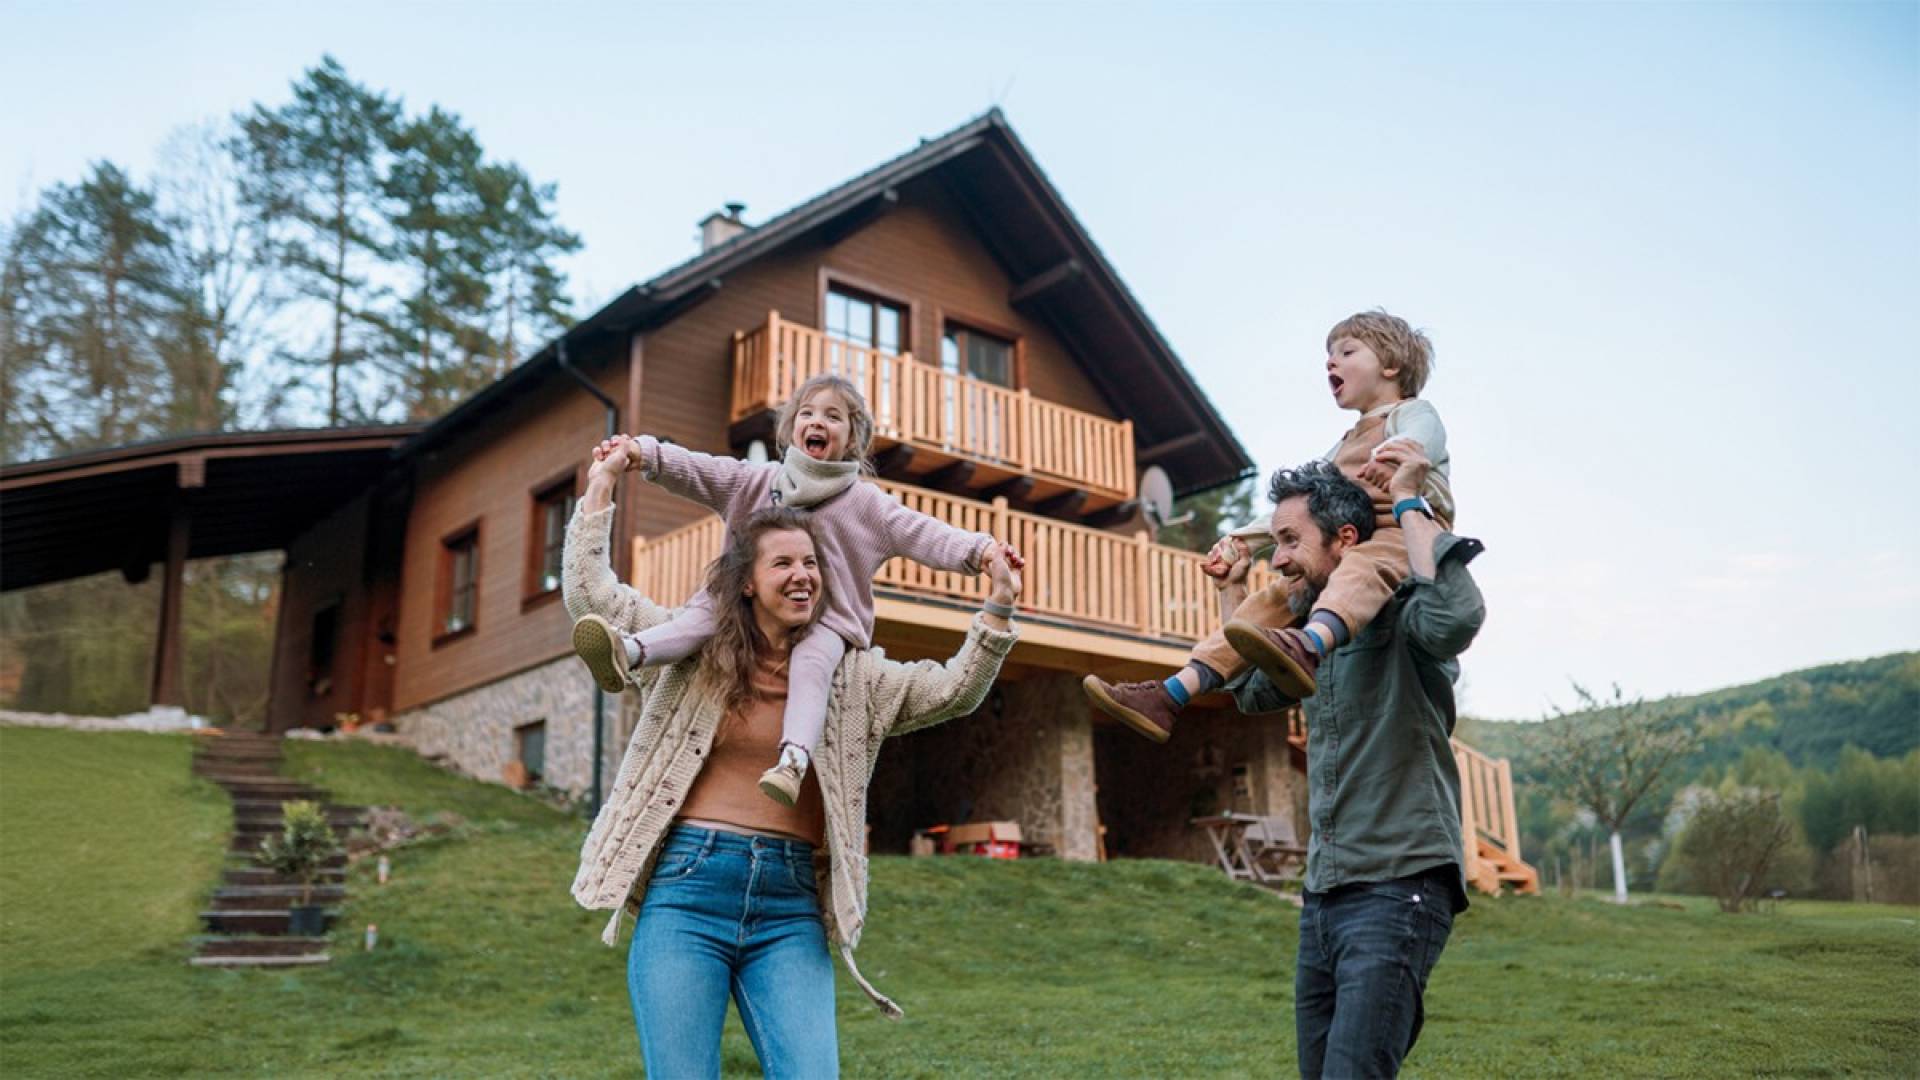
column 667, row 569
column 1486, row 800
column 922, row 405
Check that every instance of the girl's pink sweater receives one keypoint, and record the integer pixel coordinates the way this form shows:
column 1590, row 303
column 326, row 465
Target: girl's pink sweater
column 858, row 529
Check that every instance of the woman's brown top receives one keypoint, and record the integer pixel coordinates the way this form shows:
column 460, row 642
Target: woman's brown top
column 727, row 789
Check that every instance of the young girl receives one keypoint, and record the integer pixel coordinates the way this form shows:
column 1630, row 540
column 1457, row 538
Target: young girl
column 824, row 432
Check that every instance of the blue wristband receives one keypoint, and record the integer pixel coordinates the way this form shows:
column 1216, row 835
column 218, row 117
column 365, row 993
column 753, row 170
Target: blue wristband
column 1416, row 503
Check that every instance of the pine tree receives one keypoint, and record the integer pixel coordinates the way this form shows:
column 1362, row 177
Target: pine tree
column 88, row 287
column 439, row 345
column 523, row 240
column 313, row 170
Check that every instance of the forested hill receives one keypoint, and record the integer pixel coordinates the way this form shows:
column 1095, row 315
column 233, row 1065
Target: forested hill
column 1806, row 715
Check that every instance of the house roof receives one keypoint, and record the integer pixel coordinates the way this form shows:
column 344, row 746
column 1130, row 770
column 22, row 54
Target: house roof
column 104, row 510
column 1061, row 278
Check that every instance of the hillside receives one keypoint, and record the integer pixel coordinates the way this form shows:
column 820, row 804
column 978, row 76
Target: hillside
column 1034, row 968
column 1807, row 715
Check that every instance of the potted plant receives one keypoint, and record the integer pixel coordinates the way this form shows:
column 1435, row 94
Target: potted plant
column 301, row 850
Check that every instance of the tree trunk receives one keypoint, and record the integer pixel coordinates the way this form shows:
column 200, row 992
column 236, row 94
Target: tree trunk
column 1619, row 868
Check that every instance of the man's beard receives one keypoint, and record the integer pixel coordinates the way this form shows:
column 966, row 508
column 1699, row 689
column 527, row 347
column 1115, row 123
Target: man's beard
column 1302, row 597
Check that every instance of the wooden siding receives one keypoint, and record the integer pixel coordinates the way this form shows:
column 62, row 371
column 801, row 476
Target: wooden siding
column 490, row 476
column 324, row 566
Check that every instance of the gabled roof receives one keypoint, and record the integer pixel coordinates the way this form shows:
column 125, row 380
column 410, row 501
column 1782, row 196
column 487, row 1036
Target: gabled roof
column 1061, row 277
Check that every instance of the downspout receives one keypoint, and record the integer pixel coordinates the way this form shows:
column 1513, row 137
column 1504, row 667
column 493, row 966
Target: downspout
column 599, row 696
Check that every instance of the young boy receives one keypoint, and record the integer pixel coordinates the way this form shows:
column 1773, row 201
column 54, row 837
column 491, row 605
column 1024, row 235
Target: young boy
column 1376, row 366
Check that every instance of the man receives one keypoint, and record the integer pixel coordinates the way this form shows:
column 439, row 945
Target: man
column 1384, row 877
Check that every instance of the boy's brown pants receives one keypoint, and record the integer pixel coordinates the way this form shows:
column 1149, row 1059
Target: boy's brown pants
column 1357, row 589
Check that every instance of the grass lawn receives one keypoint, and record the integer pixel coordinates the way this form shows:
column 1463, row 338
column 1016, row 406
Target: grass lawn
column 485, row 967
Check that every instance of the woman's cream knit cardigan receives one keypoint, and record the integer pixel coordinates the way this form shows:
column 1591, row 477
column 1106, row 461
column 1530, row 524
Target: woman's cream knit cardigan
column 872, row 698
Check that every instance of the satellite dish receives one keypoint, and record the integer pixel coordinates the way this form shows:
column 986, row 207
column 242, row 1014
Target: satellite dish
column 757, row 452
column 1156, row 499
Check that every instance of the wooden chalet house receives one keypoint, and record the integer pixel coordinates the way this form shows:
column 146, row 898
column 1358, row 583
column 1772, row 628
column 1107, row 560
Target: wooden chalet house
column 1018, row 388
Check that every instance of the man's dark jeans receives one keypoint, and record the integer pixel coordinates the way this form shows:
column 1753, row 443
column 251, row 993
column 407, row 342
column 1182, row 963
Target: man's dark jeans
column 1365, row 953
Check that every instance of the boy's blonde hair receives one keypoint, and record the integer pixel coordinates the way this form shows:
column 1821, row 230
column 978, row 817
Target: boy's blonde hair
column 859, row 417
column 1398, row 345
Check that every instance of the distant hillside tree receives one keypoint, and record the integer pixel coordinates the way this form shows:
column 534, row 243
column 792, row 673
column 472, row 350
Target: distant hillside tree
column 1882, row 796
column 1609, row 756
column 1733, row 843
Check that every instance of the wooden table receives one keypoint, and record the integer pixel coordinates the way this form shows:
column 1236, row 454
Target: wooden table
column 1229, row 835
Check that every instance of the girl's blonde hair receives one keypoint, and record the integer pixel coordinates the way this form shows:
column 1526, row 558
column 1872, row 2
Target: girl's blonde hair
column 726, row 668
column 859, row 417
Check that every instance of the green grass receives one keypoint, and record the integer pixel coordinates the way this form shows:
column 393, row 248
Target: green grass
column 1037, row 968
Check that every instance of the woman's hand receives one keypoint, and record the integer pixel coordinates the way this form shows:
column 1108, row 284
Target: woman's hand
column 611, row 457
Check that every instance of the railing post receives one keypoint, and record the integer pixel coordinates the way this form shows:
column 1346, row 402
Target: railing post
column 1000, row 529
column 1024, row 422
column 1145, row 588
column 1512, row 836
column 1469, row 830
column 1127, row 481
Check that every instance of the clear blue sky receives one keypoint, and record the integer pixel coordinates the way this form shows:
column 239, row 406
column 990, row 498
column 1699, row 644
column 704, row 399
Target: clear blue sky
column 1670, row 255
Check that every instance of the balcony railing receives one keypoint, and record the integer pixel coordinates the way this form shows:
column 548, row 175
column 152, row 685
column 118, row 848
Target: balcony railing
column 923, row 406
column 1074, row 574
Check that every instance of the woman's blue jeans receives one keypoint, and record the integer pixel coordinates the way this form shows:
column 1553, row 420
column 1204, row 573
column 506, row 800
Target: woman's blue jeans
column 1361, row 977
column 732, row 916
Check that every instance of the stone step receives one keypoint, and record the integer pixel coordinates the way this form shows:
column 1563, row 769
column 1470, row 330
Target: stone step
column 242, row 859
column 261, row 961
column 269, row 787
column 243, row 876
column 270, row 815
column 257, row 945
column 256, row 920
column 237, row 767
column 273, row 897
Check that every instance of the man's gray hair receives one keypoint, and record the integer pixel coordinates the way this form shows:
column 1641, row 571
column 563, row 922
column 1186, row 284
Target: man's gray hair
column 1332, row 499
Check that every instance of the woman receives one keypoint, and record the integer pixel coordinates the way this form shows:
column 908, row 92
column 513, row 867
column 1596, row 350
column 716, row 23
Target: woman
column 728, row 898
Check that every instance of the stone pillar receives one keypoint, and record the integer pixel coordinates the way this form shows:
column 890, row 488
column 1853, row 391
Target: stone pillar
column 1053, row 763
column 1279, row 786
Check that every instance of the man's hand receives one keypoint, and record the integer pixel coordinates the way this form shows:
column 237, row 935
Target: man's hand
column 1408, row 460
column 1228, row 563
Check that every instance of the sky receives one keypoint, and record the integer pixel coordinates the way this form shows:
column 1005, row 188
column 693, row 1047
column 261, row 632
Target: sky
column 1669, row 255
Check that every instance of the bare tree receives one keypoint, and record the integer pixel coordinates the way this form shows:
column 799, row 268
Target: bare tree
column 1608, row 755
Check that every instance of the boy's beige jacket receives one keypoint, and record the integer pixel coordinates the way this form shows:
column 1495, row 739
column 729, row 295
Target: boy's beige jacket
column 872, row 698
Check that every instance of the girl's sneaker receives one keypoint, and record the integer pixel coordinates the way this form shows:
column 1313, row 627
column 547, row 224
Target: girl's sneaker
column 604, row 650
column 782, row 782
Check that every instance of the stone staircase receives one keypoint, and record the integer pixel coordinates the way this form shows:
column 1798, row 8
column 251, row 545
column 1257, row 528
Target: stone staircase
column 247, row 920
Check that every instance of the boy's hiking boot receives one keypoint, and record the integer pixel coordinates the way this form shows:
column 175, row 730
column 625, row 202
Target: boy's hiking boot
column 782, row 782
column 599, row 645
column 1146, row 707
column 1286, row 656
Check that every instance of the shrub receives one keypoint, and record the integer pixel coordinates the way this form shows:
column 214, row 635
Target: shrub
column 304, row 845
column 1738, row 844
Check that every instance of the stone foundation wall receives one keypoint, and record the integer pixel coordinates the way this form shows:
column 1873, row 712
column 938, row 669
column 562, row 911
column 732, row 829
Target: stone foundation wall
column 474, row 731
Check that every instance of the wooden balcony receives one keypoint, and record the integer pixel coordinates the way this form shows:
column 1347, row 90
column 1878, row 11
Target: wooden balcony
column 1102, row 597
column 999, row 434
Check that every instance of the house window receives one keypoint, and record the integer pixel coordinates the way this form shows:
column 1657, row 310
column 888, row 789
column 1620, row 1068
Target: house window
column 530, row 741
column 326, row 629
column 867, row 321
column 460, row 577
column 976, row 357
column 979, row 355
column 552, row 505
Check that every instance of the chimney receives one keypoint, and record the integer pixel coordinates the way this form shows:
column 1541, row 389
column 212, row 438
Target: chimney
column 721, row 226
